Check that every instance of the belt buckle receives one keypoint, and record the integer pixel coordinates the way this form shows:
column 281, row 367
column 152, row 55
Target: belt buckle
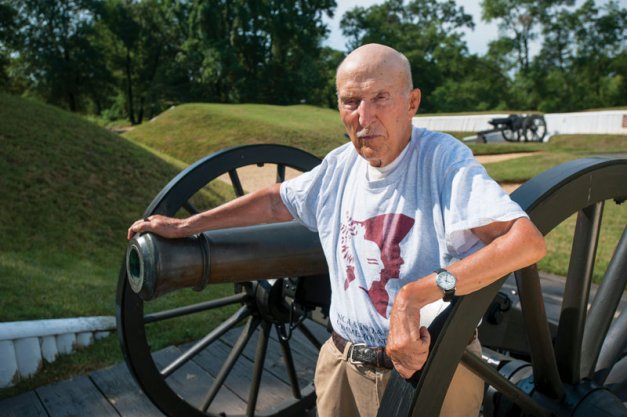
column 352, row 350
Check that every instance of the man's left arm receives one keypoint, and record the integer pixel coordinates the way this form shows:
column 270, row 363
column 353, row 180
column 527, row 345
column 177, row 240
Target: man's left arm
column 510, row 246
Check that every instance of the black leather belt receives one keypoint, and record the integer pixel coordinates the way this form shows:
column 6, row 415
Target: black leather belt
column 362, row 354
column 373, row 356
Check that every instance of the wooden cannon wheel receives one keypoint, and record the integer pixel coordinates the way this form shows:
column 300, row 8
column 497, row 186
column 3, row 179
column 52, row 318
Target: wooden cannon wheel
column 534, row 128
column 583, row 371
column 256, row 305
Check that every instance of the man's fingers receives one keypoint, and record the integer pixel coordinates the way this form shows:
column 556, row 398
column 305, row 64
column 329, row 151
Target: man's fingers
column 138, row 227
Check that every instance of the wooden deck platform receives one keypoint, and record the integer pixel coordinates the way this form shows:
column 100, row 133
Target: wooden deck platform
column 113, row 392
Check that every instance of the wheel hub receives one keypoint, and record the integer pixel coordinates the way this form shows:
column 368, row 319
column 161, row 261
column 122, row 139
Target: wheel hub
column 583, row 399
column 272, row 300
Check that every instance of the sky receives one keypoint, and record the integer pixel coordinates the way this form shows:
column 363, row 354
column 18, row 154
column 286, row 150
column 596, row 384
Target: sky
column 477, row 39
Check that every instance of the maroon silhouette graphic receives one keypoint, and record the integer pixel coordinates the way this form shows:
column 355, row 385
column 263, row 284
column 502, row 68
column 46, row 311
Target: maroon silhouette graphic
column 386, row 231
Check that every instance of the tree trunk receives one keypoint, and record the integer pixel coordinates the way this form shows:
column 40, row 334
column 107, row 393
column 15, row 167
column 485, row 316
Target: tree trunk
column 129, row 89
column 140, row 112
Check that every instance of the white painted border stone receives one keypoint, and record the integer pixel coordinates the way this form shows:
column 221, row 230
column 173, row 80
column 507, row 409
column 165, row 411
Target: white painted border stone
column 21, row 329
column 49, row 349
column 8, row 364
column 66, row 343
column 24, row 345
column 28, row 355
column 84, row 339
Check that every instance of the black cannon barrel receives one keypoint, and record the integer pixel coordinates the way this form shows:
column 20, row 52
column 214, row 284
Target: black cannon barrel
column 157, row 265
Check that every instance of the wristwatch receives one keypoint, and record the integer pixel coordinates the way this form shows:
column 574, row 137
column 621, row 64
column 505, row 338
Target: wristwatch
column 446, row 281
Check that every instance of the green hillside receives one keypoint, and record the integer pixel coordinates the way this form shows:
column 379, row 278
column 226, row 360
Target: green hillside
column 69, row 191
column 191, row 131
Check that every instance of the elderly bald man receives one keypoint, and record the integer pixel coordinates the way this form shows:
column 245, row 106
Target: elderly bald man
column 407, row 219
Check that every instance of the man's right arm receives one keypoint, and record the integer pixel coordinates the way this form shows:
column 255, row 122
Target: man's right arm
column 262, row 206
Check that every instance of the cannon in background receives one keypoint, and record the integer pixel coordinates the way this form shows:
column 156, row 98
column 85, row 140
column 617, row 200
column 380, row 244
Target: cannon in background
column 516, row 128
column 581, row 372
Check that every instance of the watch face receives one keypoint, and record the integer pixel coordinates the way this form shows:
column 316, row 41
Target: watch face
column 446, row 280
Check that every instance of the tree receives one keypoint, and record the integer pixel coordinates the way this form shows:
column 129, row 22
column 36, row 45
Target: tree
column 260, row 51
column 54, row 50
column 518, row 22
column 581, row 63
column 429, row 33
column 8, row 26
column 143, row 42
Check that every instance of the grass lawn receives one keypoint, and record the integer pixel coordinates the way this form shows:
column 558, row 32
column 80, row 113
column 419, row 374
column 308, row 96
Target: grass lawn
column 71, row 188
column 559, row 149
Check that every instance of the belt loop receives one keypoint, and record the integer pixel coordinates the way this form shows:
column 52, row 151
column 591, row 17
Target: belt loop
column 347, row 350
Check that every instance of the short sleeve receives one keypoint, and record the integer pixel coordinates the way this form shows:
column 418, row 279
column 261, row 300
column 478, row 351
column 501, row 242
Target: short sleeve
column 473, row 199
column 301, row 196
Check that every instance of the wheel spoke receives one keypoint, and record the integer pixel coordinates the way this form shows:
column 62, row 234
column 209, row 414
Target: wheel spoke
column 260, row 356
column 237, row 184
column 214, row 335
column 613, row 348
column 235, row 353
column 502, row 384
column 603, row 307
column 576, row 293
column 280, row 173
column 312, row 339
column 545, row 371
column 195, row 308
column 289, row 364
column 189, row 207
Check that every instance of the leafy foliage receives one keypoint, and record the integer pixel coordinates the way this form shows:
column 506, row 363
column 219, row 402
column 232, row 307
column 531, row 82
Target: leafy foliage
column 428, row 32
column 135, row 58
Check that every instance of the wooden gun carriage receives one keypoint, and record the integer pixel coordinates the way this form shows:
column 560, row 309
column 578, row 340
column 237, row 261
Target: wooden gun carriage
column 273, row 277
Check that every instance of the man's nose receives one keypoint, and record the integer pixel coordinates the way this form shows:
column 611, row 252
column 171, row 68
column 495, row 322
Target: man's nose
column 366, row 111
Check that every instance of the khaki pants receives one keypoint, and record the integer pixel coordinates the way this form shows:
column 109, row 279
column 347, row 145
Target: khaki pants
column 345, row 389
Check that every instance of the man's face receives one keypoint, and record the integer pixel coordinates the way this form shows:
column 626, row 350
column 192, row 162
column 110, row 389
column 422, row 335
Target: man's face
column 376, row 108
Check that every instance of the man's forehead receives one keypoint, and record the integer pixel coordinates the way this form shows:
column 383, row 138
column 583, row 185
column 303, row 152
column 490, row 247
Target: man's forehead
column 350, row 86
column 369, row 77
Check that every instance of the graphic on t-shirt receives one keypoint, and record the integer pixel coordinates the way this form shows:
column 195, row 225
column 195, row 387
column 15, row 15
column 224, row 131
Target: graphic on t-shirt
column 383, row 258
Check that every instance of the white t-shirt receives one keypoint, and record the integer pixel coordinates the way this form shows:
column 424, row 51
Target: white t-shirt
column 380, row 234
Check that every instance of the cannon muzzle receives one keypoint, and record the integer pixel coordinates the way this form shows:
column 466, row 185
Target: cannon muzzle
column 156, row 265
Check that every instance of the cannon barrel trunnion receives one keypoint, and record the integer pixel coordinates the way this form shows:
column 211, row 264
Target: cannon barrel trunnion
column 280, row 282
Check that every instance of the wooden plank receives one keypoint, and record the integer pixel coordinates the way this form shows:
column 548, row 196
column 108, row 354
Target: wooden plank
column 272, row 391
column 23, row 405
column 304, row 361
column 192, row 383
column 320, row 333
column 305, row 354
column 117, row 384
column 75, row 397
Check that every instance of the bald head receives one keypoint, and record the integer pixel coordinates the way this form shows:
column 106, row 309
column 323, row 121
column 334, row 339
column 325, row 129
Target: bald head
column 376, row 101
column 378, row 60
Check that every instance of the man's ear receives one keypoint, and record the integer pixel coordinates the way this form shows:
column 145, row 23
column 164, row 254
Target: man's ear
column 414, row 101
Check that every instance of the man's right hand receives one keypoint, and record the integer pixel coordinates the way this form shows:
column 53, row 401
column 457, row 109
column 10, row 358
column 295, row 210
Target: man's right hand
column 169, row 227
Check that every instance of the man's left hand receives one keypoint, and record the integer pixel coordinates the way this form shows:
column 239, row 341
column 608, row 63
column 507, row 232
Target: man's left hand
column 408, row 342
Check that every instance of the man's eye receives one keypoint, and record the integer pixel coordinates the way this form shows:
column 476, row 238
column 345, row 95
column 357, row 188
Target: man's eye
column 351, row 103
